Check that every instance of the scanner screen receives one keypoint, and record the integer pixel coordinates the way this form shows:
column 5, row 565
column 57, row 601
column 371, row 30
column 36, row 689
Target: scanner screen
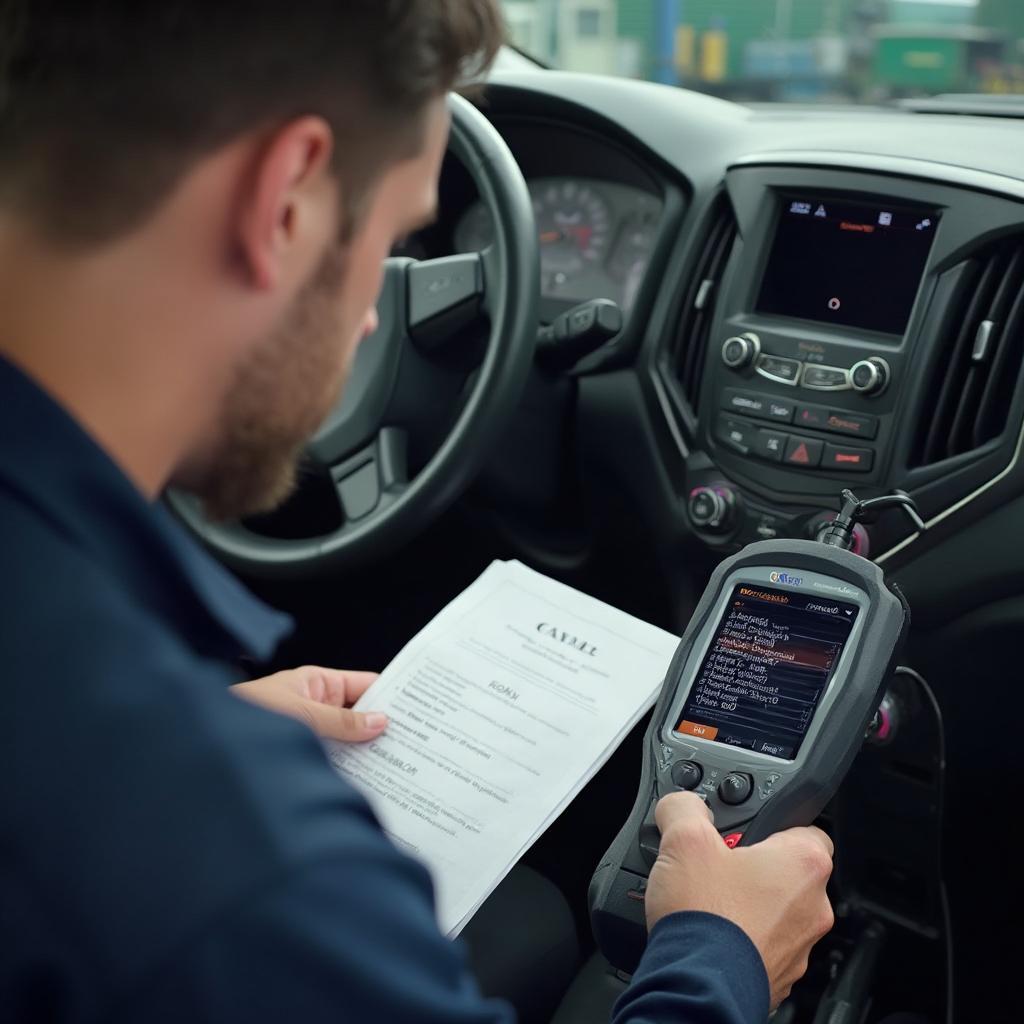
column 768, row 665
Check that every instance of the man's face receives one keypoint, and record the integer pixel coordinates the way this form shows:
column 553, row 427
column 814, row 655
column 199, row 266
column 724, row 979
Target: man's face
column 288, row 383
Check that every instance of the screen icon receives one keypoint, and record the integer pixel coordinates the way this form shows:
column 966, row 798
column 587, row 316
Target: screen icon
column 834, row 304
column 799, row 207
column 820, row 212
column 885, row 219
column 924, row 225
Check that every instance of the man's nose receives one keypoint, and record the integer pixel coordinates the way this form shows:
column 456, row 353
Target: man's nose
column 371, row 323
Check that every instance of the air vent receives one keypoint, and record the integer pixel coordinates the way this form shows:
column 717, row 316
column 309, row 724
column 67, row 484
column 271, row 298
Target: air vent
column 979, row 356
column 693, row 335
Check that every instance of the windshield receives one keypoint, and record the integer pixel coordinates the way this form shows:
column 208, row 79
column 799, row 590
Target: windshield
column 860, row 51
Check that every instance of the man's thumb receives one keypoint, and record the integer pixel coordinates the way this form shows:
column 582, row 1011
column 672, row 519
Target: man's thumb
column 678, row 809
column 335, row 723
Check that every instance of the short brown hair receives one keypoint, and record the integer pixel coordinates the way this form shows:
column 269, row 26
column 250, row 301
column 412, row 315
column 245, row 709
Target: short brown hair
column 105, row 104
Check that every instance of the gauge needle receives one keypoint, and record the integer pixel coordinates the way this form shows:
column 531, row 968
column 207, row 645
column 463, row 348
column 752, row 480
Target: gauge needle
column 583, row 235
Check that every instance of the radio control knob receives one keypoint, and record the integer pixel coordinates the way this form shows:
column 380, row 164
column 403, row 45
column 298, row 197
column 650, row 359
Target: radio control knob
column 870, row 376
column 736, row 788
column 712, row 508
column 741, row 350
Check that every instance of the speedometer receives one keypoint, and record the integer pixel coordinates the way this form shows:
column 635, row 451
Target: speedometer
column 574, row 228
column 595, row 238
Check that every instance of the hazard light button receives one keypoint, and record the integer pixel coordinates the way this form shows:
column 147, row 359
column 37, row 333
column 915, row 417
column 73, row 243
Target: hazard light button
column 803, row 451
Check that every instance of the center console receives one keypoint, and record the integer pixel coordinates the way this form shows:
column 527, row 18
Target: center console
column 842, row 321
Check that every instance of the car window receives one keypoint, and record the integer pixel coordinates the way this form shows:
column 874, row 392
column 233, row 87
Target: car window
column 832, row 51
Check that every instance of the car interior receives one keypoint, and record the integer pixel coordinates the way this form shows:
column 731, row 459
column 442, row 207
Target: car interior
column 648, row 328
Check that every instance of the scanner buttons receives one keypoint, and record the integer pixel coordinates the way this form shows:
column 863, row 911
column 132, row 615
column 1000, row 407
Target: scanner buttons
column 735, row 788
column 687, row 774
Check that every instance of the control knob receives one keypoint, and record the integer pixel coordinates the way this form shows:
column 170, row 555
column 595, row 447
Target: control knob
column 735, row 788
column 712, row 508
column 741, row 350
column 870, row 376
column 687, row 774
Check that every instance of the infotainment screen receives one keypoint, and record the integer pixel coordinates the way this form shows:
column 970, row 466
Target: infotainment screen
column 848, row 263
column 769, row 663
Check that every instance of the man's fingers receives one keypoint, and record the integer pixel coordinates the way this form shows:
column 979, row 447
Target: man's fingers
column 679, row 808
column 807, row 846
column 335, row 723
column 357, row 683
column 824, row 838
column 337, row 686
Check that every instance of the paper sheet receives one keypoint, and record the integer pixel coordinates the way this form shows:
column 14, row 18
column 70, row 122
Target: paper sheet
column 501, row 709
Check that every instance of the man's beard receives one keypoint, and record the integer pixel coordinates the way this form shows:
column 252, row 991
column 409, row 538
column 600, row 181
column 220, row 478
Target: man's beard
column 282, row 393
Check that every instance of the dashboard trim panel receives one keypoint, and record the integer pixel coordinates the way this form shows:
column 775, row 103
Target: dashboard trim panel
column 961, row 504
column 907, row 168
column 903, row 167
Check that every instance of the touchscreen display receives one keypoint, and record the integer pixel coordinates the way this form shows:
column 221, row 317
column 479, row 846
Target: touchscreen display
column 768, row 665
column 847, row 263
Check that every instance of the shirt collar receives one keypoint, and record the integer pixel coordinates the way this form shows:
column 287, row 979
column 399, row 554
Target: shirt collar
column 47, row 458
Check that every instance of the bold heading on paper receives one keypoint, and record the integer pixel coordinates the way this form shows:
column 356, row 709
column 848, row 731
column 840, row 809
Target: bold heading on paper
column 567, row 638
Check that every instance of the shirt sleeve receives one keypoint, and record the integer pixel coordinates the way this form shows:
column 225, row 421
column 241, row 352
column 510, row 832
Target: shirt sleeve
column 699, row 969
column 335, row 942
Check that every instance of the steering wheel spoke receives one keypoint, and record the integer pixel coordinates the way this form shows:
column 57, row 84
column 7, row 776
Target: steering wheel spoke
column 374, row 476
column 445, row 296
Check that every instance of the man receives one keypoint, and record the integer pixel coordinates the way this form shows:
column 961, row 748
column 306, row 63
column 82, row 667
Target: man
column 195, row 202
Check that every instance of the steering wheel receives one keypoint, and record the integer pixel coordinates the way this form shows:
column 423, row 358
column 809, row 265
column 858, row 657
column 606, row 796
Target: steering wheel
column 363, row 444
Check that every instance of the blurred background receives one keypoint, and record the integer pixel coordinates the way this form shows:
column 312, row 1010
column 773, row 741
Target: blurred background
column 855, row 51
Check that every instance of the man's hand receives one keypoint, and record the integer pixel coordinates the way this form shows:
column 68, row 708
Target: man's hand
column 321, row 698
column 774, row 890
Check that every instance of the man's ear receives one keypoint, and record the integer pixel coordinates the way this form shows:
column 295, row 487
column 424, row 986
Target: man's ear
column 282, row 213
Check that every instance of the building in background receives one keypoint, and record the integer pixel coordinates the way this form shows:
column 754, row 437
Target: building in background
column 785, row 49
column 576, row 35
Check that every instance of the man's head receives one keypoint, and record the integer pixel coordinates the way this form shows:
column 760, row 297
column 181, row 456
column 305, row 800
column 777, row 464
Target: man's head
column 235, row 174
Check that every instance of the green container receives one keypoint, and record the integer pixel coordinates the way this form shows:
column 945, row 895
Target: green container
column 921, row 62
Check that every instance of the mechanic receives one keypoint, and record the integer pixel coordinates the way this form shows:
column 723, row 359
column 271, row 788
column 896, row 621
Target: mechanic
column 195, row 203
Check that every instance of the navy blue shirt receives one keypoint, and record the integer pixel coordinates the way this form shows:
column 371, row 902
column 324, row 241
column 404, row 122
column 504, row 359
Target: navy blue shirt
column 170, row 853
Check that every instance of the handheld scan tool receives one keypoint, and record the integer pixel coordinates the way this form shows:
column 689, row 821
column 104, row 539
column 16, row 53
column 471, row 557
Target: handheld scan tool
column 764, row 706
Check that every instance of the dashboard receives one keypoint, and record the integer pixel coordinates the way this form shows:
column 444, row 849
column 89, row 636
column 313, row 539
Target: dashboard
column 817, row 299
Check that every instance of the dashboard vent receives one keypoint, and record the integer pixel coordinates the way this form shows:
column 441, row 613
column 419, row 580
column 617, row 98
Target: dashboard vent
column 693, row 335
column 980, row 356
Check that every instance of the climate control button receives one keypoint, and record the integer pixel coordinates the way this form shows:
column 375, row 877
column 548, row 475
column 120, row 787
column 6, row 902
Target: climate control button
column 785, row 371
column 846, row 459
column 825, row 378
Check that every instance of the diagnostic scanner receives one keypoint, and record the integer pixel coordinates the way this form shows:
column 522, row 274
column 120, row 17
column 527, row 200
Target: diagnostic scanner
column 764, row 707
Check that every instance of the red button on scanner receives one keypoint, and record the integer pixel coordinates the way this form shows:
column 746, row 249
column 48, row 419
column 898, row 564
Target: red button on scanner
column 732, row 840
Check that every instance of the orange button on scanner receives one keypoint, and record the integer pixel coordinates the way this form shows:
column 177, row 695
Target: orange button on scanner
column 705, row 732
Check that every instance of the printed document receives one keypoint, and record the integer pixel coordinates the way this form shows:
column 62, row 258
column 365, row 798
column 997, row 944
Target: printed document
column 501, row 709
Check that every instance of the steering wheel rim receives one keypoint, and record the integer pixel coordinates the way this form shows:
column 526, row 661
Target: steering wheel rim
column 507, row 276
